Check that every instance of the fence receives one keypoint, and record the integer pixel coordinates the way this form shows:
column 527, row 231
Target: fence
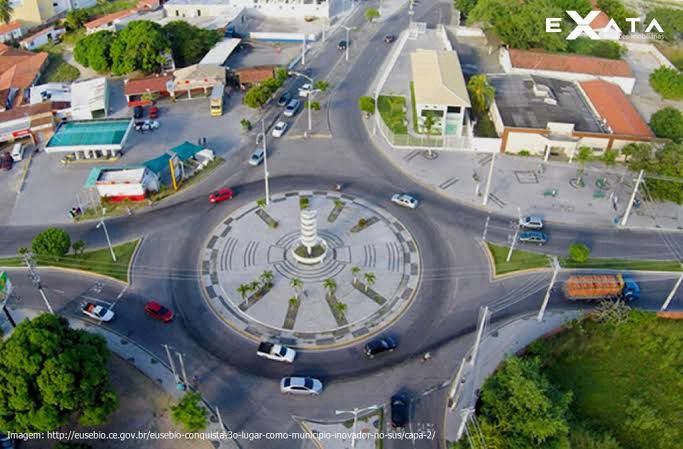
column 411, row 141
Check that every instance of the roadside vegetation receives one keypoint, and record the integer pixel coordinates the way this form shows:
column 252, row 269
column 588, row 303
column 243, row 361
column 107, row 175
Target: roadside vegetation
column 262, row 93
column 608, row 382
column 392, row 109
column 664, row 165
column 667, row 82
column 521, row 260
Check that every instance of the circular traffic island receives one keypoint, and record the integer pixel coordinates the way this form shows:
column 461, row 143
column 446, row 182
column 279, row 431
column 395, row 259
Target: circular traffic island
column 310, row 270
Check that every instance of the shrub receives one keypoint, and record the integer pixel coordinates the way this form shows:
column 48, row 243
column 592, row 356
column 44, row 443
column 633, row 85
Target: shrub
column 601, row 49
column 189, row 413
column 524, row 153
column 371, row 14
column 362, row 222
column 668, row 123
column 667, row 82
column 367, row 104
column 578, row 252
column 485, row 127
column 246, row 124
column 52, row 242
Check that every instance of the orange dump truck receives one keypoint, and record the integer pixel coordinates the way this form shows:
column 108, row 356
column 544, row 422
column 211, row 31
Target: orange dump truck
column 590, row 287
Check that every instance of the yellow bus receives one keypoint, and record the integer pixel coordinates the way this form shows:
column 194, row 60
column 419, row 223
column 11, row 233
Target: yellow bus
column 216, row 100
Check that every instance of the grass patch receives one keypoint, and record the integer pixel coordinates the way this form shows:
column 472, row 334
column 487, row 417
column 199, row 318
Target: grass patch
column 107, row 7
column 673, row 54
column 610, row 370
column 624, row 264
column 521, row 260
column 97, row 261
column 392, row 111
column 59, row 71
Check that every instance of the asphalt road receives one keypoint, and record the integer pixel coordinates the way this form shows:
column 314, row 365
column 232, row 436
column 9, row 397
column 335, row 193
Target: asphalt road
column 455, row 273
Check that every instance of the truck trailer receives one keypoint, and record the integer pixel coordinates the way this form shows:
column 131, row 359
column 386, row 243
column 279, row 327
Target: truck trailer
column 591, row 287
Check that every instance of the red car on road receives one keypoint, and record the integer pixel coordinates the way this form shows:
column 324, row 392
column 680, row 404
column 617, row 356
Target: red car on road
column 158, row 312
column 153, row 112
column 219, row 195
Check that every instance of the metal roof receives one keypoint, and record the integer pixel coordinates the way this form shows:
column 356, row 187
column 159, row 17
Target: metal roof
column 220, row 52
column 438, row 79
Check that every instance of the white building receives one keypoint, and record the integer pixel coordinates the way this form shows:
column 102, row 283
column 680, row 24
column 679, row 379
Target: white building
column 267, row 8
column 42, row 37
column 123, row 183
column 84, row 100
column 11, row 32
column 568, row 67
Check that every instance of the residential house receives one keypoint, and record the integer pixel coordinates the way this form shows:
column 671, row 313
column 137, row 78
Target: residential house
column 568, row 67
column 19, row 70
column 10, row 32
column 33, row 13
column 439, row 91
column 42, row 37
column 272, row 8
column 110, row 21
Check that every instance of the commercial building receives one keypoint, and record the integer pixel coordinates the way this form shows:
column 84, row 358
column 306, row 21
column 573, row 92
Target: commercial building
column 90, row 138
column 19, row 70
column 33, row 13
column 567, row 67
column 132, row 183
column 35, row 122
column 272, row 8
column 197, row 79
column 138, row 90
column 10, row 32
column 82, row 100
column 439, row 91
column 552, row 117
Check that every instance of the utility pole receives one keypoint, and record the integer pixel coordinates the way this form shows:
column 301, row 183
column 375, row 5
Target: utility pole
column 633, row 198
column 514, row 237
column 220, row 419
column 355, row 413
column 179, row 385
column 672, row 293
column 106, row 235
column 488, row 181
column 265, row 159
column 410, row 12
column 35, row 278
column 182, row 367
column 348, row 43
column 483, row 316
column 308, row 97
column 8, row 293
column 556, row 270
column 303, row 51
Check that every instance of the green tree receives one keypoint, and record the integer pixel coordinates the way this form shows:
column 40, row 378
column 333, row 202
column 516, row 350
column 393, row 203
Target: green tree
column 668, row 123
column 257, row 96
column 94, row 51
column 321, row 85
column 616, row 10
column 266, row 278
column 369, row 279
column 315, row 105
column 246, row 124
column 78, row 247
column 189, row 413
column 609, row 157
column 667, row 82
column 366, row 104
column 578, row 252
column 50, row 373
column 355, row 271
column 330, row 285
column 584, row 155
column 464, row 6
column 601, row 49
column 481, row 93
column 371, row 14
column 281, row 75
column 254, row 286
column 243, row 290
column 582, row 438
column 189, row 43
column 141, row 45
column 637, row 153
column 520, row 408
column 52, row 242
column 297, row 285
column 667, row 162
column 341, row 308
column 6, row 10
column 75, row 19
column 671, row 21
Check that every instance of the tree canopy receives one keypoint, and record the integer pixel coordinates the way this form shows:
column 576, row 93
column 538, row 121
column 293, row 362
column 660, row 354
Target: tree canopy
column 53, row 242
column 668, row 123
column 600, row 48
column 668, row 82
column 6, row 10
column 75, row 19
column 50, row 373
column 671, row 21
column 189, row 413
column 667, row 162
column 616, row 10
column 94, row 51
column 189, row 43
column 139, row 46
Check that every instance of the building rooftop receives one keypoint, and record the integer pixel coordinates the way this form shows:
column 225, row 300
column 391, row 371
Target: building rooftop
column 220, row 52
column 96, row 23
column 19, row 69
column 9, row 27
column 86, row 93
column 51, row 92
column 252, row 75
column 438, row 79
column 120, row 175
column 155, row 83
column 615, row 107
column 529, row 101
column 557, row 62
column 91, row 133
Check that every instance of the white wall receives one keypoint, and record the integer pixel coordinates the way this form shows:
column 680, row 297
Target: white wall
column 14, row 34
column 268, row 9
column 486, row 144
column 533, row 143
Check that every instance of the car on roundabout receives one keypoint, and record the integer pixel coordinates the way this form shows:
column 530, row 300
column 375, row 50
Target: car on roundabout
column 220, row 195
column 380, row 346
column 405, row 200
column 389, row 38
column 279, row 129
column 301, row 386
column 400, row 410
column 155, row 310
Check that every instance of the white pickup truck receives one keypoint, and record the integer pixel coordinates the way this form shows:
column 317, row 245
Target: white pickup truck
column 97, row 312
column 276, row 352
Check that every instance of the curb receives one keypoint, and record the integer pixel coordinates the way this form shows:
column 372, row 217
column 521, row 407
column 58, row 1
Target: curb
column 498, row 277
column 26, row 169
column 75, row 271
column 133, row 258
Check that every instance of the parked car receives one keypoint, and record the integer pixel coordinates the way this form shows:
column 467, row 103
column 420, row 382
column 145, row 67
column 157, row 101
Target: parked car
column 153, row 112
column 531, row 222
column 284, row 99
column 97, row 312
column 400, row 410
column 6, row 162
column 279, row 129
column 342, row 45
column 305, row 90
column 405, row 200
column 138, row 112
column 17, row 152
column 533, row 237
column 292, row 107
column 146, row 125
column 380, row 346
column 276, row 352
column 389, row 38
column 306, row 386
column 222, row 194
column 257, row 157
column 158, row 312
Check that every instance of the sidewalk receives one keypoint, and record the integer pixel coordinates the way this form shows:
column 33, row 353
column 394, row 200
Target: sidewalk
column 495, row 347
column 136, row 355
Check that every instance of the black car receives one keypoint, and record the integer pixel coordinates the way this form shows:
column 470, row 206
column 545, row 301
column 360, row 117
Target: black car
column 379, row 346
column 400, row 410
column 138, row 112
column 6, row 162
column 342, row 45
column 284, row 99
column 389, row 38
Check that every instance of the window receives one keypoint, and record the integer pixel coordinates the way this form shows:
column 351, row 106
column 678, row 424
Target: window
column 199, row 12
column 177, row 13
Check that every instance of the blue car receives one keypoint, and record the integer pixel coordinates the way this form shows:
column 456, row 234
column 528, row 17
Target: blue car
column 533, row 237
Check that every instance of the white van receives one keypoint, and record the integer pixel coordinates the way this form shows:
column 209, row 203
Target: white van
column 17, row 152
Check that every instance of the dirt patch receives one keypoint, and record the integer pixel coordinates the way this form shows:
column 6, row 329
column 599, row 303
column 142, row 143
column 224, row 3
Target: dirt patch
column 144, row 406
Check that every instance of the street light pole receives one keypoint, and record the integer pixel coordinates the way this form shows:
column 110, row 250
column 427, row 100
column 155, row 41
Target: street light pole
column 355, row 413
column 303, row 51
column 556, row 269
column 265, row 160
column 308, row 97
column 488, row 180
column 672, row 293
column 106, row 235
column 35, row 278
column 633, row 198
column 348, row 43
column 514, row 238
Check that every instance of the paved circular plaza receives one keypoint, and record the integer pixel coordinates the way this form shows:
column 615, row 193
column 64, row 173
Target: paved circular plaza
column 367, row 279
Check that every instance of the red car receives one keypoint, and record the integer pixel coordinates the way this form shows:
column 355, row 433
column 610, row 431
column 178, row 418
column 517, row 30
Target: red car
column 6, row 161
column 219, row 195
column 153, row 112
column 158, row 312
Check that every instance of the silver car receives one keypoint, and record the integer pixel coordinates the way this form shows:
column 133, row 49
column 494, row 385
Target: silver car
column 292, row 108
column 306, row 386
column 256, row 157
column 531, row 222
column 405, row 200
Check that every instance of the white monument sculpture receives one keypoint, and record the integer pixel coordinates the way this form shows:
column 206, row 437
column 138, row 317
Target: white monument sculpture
column 311, row 249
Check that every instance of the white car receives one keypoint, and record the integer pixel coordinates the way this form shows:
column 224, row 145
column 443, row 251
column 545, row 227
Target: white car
column 306, row 386
column 97, row 312
column 405, row 200
column 256, row 157
column 305, row 90
column 531, row 222
column 279, row 129
column 276, row 352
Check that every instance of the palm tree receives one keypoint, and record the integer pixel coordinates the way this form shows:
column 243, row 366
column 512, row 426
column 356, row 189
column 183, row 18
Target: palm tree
column 583, row 156
column 341, row 308
column 330, row 285
column 481, row 93
column 296, row 285
column 266, row 278
column 243, row 289
column 6, row 10
column 355, row 271
column 369, row 280
column 255, row 286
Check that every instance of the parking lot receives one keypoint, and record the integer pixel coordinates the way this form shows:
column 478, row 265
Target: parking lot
column 11, row 183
